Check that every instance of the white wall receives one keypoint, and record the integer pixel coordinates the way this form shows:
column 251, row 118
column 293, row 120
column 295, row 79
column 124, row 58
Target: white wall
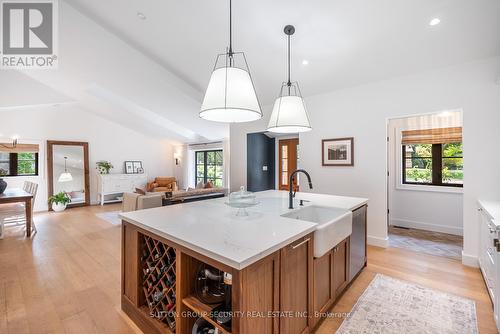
column 362, row 112
column 431, row 208
column 107, row 141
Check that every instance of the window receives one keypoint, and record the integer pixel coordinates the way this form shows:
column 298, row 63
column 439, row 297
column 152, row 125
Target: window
column 209, row 167
column 433, row 164
column 19, row 164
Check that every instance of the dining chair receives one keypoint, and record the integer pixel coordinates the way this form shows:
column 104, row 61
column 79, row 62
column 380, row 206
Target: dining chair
column 15, row 214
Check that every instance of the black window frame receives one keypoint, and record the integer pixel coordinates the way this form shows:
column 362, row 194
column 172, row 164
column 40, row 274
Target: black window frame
column 205, row 166
column 437, row 168
column 13, row 165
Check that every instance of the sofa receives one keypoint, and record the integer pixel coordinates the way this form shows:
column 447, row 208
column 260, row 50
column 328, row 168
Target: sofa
column 135, row 201
column 168, row 186
column 197, row 194
column 162, row 184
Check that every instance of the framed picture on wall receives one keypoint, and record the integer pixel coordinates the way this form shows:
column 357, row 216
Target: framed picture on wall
column 138, row 167
column 133, row 167
column 337, row 152
column 129, row 167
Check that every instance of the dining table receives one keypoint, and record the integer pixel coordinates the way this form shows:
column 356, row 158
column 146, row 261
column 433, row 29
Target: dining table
column 15, row 195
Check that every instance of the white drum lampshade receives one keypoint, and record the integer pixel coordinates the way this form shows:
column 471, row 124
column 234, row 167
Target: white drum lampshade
column 230, row 97
column 65, row 177
column 289, row 112
column 289, row 115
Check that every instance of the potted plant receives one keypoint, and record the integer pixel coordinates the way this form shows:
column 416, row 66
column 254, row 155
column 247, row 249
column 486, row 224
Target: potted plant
column 59, row 201
column 104, row 166
column 3, row 184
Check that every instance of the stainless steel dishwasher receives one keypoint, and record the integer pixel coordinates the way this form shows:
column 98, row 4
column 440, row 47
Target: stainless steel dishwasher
column 357, row 256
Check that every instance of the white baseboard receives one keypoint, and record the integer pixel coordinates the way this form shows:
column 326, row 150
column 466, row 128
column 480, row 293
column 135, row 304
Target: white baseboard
column 470, row 260
column 378, row 241
column 427, row 226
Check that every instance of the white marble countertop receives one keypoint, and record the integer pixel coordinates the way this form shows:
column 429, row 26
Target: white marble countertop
column 211, row 228
column 493, row 210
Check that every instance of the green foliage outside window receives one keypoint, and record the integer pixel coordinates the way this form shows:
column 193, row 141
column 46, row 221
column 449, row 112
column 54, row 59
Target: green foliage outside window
column 19, row 164
column 209, row 167
column 26, row 164
column 418, row 161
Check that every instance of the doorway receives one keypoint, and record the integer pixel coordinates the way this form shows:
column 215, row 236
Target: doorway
column 288, row 161
column 425, row 183
column 260, row 162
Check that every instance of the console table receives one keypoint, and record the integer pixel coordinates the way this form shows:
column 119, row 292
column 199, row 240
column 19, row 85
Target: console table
column 110, row 187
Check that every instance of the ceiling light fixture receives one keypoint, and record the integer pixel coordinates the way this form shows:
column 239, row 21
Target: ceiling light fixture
column 289, row 111
column 305, row 62
column 434, row 22
column 65, row 177
column 141, row 16
column 230, row 96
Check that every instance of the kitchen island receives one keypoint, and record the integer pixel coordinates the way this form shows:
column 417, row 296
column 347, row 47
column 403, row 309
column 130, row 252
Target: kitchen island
column 264, row 264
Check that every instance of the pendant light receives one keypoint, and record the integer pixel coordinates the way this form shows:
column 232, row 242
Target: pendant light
column 289, row 112
column 65, row 177
column 230, row 95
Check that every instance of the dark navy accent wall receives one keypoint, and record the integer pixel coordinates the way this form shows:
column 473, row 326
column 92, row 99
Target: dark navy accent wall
column 260, row 153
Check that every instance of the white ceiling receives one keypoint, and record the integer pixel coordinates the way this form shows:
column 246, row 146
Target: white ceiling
column 347, row 43
column 107, row 77
column 25, row 91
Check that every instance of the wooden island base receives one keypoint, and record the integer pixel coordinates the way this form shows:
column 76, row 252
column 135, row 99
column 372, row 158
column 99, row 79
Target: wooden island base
column 281, row 293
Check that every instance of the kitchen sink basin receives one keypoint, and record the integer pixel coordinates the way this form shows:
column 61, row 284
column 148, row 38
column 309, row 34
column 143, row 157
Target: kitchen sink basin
column 334, row 225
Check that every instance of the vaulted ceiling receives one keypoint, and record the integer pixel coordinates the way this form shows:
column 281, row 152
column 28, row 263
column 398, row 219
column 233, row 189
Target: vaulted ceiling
column 346, row 43
column 149, row 71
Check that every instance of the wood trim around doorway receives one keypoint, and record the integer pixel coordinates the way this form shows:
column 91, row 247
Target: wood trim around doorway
column 292, row 161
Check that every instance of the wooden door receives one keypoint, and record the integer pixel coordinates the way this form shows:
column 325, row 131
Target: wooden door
column 340, row 267
column 296, row 286
column 288, row 156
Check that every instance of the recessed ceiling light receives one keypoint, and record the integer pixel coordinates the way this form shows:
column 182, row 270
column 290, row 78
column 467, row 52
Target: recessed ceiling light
column 141, row 16
column 305, row 62
column 434, row 22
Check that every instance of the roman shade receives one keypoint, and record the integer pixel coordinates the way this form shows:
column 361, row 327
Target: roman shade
column 432, row 136
column 19, row 148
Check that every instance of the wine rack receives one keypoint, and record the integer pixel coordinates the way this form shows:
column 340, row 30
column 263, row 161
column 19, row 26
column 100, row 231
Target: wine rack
column 157, row 264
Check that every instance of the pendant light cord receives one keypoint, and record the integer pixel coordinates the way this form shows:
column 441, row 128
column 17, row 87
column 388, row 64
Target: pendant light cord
column 289, row 83
column 230, row 31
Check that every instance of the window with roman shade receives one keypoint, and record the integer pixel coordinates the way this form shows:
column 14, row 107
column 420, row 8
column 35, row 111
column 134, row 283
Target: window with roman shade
column 19, row 160
column 433, row 157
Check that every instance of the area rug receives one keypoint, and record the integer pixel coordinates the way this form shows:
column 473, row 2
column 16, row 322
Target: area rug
column 110, row 217
column 391, row 306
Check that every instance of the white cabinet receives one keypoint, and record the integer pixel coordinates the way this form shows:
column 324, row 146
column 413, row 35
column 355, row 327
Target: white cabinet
column 489, row 251
column 110, row 187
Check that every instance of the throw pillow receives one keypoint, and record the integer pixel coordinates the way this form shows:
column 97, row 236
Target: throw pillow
column 140, row 191
column 209, row 185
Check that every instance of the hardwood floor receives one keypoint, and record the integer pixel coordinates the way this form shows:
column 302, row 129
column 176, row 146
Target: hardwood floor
column 66, row 279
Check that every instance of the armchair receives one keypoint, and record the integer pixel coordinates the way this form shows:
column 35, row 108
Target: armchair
column 162, row 184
